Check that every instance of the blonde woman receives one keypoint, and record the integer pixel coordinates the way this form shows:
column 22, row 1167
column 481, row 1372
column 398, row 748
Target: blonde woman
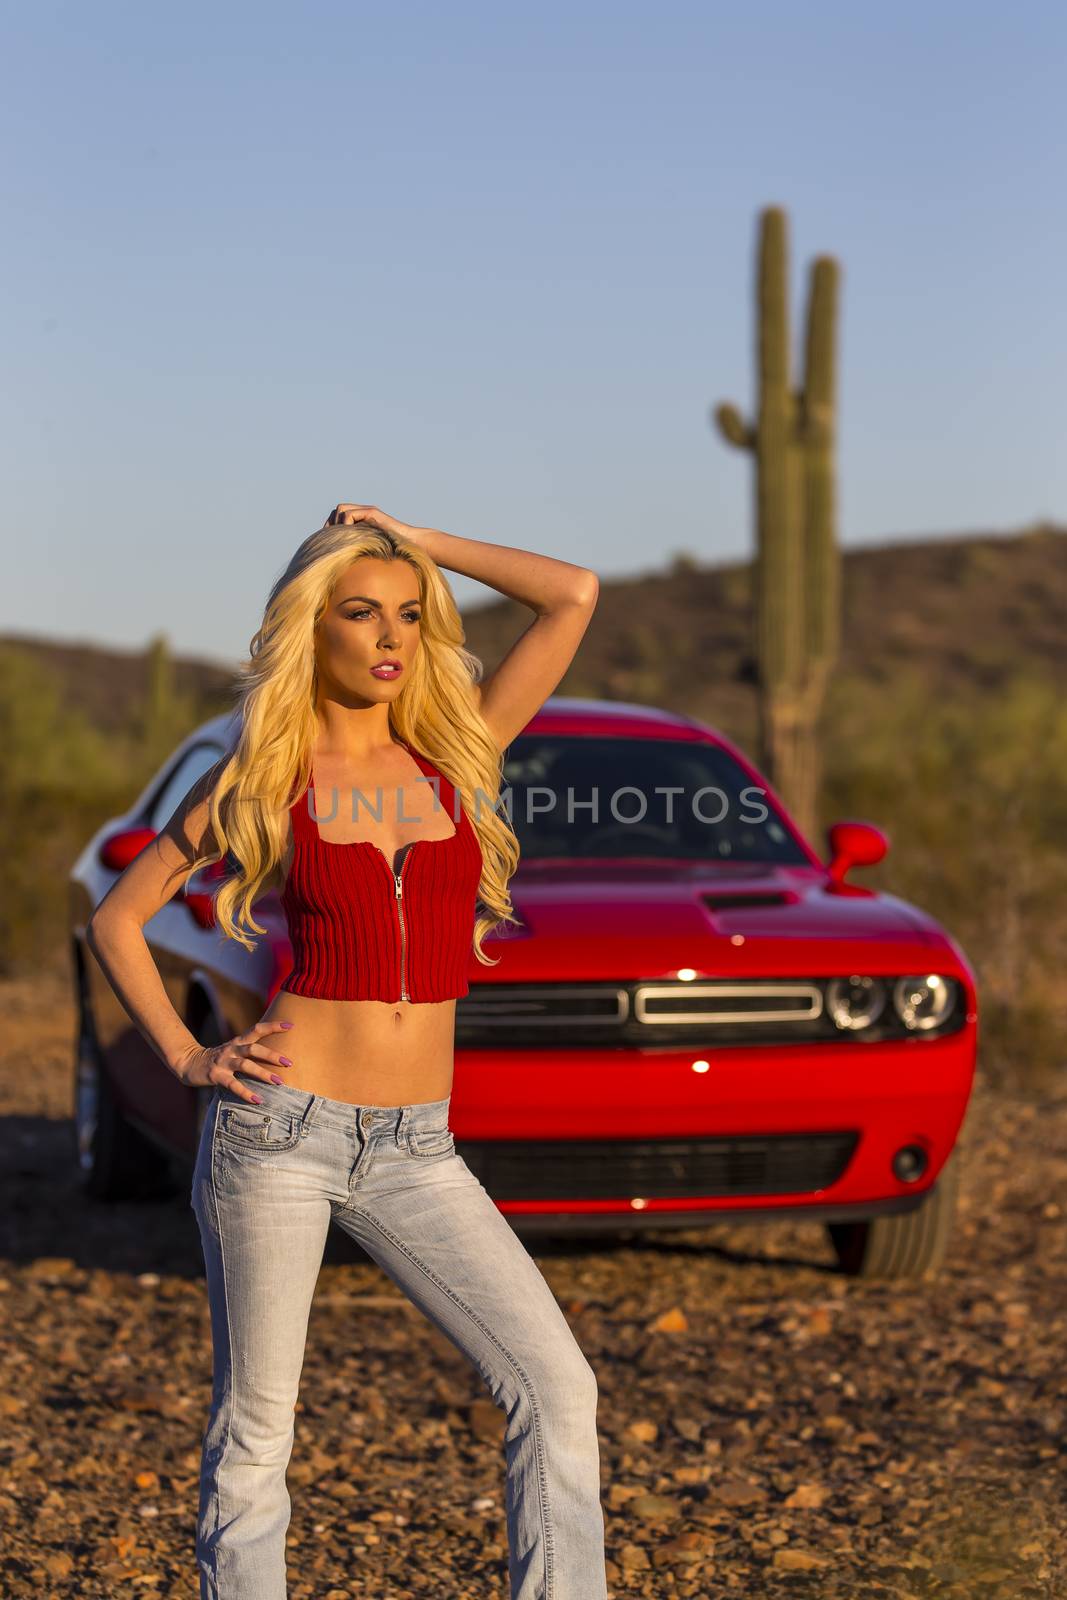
column 371, row 792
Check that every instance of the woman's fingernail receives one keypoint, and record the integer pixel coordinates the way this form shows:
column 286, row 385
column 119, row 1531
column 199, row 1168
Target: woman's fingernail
column 285, row 1061
column 274, row 1078
column 285, row 1024
column 258, row 1099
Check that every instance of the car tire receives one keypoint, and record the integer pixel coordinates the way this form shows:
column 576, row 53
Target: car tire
column 115, row 1160
column 207, row 1032
column 913, row 1245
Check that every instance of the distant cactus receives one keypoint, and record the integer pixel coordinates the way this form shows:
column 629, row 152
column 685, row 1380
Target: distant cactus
column 166, row 712
column 159, row 698
column 797, row 564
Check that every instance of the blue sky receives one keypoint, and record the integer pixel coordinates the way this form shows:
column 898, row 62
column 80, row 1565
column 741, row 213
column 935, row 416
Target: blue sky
column 489, row 267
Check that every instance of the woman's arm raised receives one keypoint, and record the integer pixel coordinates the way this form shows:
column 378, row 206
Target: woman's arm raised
column 563, row 595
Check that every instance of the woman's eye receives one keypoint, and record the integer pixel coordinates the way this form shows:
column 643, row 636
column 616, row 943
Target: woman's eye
column 365, row 611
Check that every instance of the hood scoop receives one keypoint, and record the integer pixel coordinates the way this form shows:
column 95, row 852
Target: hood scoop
column 729, row 899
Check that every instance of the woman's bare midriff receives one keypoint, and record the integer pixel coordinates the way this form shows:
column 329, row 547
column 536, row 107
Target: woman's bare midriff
column 370, row 1052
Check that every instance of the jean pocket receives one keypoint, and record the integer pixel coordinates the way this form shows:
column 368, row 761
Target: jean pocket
column 257, row 1128
column 429, row 1142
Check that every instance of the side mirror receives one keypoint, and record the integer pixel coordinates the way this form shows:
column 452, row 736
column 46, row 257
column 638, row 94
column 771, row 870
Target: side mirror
column 119, row 849
column 854, row 844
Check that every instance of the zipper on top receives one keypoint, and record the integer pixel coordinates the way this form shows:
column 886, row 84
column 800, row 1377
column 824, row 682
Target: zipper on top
column 398, row 891
column 399, row 876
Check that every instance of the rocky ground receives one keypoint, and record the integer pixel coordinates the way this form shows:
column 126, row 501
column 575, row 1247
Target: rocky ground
column 768, row 1428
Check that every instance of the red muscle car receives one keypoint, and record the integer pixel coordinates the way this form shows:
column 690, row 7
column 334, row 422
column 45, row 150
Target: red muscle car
column 697, row 1017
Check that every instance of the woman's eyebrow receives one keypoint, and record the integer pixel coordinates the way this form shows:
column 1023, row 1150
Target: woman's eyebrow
column 378, row 603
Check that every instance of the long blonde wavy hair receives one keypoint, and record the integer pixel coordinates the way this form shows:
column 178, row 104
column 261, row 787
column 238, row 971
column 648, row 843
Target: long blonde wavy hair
column 436, row 711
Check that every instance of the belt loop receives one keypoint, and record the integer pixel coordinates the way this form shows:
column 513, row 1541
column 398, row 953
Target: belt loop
column 311, row 1111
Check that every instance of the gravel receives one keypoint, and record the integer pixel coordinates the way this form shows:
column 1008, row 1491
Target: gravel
column 768, row 1427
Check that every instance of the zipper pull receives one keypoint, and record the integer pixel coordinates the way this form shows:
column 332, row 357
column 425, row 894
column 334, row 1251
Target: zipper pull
column 399, row 885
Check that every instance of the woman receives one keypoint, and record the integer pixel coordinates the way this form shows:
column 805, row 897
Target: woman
column 334, row 1106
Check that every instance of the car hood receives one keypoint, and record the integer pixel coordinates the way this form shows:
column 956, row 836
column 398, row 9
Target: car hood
column 654, row 915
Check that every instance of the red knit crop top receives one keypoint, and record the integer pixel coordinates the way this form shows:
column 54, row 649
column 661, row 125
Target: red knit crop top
column 361, row 931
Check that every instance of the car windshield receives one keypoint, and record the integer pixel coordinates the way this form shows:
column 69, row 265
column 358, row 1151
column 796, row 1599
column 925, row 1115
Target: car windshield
column 623, row 798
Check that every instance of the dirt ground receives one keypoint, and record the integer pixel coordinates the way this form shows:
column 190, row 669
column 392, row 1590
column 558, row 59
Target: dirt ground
column 768, row 1428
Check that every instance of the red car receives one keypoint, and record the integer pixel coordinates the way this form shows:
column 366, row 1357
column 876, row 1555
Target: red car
column 696, row 1019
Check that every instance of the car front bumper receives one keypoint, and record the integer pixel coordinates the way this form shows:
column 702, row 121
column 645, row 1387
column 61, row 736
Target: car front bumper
column 670, row 1137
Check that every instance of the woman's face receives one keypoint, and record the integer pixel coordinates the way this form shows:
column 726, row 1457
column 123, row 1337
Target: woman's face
column 372, row 617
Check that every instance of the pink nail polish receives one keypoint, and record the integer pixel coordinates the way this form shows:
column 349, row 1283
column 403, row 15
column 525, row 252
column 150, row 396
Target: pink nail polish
column 285, row 1063
column 258, row 1099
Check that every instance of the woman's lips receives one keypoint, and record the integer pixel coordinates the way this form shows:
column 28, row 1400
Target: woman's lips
column 387, row 672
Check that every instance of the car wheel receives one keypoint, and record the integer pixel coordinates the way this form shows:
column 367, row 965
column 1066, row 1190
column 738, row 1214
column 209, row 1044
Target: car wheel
column 205, row 1027
column 913, row 1245
column 115, row 1160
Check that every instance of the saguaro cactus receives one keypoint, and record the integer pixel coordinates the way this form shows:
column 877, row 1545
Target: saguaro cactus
column 797, row 584
column 159, row 699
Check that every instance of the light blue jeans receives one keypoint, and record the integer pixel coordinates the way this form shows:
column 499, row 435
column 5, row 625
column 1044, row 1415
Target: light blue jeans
column 268, row 1181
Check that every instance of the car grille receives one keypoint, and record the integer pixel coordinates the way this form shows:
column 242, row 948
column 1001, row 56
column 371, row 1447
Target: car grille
column 622, row 1169
column 575, row 1014
column 713, row 1012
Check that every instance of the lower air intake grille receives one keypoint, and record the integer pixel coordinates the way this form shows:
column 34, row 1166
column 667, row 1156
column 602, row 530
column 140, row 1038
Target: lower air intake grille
column 667, row 1169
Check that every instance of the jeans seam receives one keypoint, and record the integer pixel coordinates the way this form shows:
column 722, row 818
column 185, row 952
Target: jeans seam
column 258, row 1144
column 538, row 1430
column 218, row 1476
column 412, row 1148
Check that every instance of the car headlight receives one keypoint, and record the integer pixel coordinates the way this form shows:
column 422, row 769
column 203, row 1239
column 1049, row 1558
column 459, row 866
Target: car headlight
column 855, row 1002
column 922, row 1001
